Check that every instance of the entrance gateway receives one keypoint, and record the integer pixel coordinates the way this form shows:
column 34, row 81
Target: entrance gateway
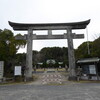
column 50, row 26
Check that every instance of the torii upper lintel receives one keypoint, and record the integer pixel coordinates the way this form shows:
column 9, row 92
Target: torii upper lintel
column 49, row 26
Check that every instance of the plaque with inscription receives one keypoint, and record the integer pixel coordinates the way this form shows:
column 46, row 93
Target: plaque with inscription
column 92, row 69
column 17, row 70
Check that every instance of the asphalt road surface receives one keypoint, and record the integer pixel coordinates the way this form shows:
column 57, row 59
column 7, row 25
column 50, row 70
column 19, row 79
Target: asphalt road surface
column 74, row 91
column 68, row 91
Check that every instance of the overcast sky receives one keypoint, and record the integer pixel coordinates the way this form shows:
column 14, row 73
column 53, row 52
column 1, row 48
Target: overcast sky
column 51, row 11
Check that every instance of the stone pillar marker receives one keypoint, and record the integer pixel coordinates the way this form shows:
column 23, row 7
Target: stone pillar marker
column 28, row 73
column 71, row 57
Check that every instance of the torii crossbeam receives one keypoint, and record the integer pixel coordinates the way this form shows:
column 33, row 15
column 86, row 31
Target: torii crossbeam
column 50, row 26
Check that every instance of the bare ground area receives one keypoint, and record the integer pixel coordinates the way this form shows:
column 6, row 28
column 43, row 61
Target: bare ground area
column 51, row 85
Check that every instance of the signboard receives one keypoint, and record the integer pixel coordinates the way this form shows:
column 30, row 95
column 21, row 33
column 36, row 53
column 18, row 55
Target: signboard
column 17, row 70
column 92, row 69
column 1, row 69
column 85, row 69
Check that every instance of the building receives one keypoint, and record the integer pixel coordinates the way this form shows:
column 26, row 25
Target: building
column 90, row 66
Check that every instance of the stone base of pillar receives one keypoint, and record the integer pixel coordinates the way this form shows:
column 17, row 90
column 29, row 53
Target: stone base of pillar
column 72, row 78
column 28, row 79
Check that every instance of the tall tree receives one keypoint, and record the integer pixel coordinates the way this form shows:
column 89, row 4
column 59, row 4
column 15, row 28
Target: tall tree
column 82, row 50
column 57, row 53
column 96, row 48
column 9, row 47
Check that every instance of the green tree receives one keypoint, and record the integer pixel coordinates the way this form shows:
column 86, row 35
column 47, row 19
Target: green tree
column 57, row 53
column 82, row 51
column 96, row 48
column 8, row 48
column 20, row 59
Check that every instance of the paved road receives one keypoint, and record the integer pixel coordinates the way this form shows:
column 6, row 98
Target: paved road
column 70, row 91
column 75, row 91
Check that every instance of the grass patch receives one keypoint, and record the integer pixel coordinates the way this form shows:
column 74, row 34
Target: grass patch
column 40, row 70
column 19, row 80
column 54, row 83
column 88, row 81
column 61, row 69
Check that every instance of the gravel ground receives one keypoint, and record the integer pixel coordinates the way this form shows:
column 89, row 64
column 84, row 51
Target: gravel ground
column 73, row 91
column 37, row 91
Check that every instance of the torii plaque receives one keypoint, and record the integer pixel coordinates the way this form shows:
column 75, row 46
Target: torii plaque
column 50, row 26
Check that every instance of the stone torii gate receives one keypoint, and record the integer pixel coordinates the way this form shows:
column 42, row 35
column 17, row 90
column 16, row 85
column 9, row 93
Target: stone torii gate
column 50, row 26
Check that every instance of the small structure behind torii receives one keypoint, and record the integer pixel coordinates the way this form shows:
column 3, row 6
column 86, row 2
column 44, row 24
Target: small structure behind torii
column 50, row 26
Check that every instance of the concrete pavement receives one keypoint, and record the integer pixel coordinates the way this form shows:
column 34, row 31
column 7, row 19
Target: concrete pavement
column 75, row 91
column 68, row 91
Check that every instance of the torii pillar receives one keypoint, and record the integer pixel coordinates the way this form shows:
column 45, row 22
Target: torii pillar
column 28, row 73
column 50, row 26
column 71, row 57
